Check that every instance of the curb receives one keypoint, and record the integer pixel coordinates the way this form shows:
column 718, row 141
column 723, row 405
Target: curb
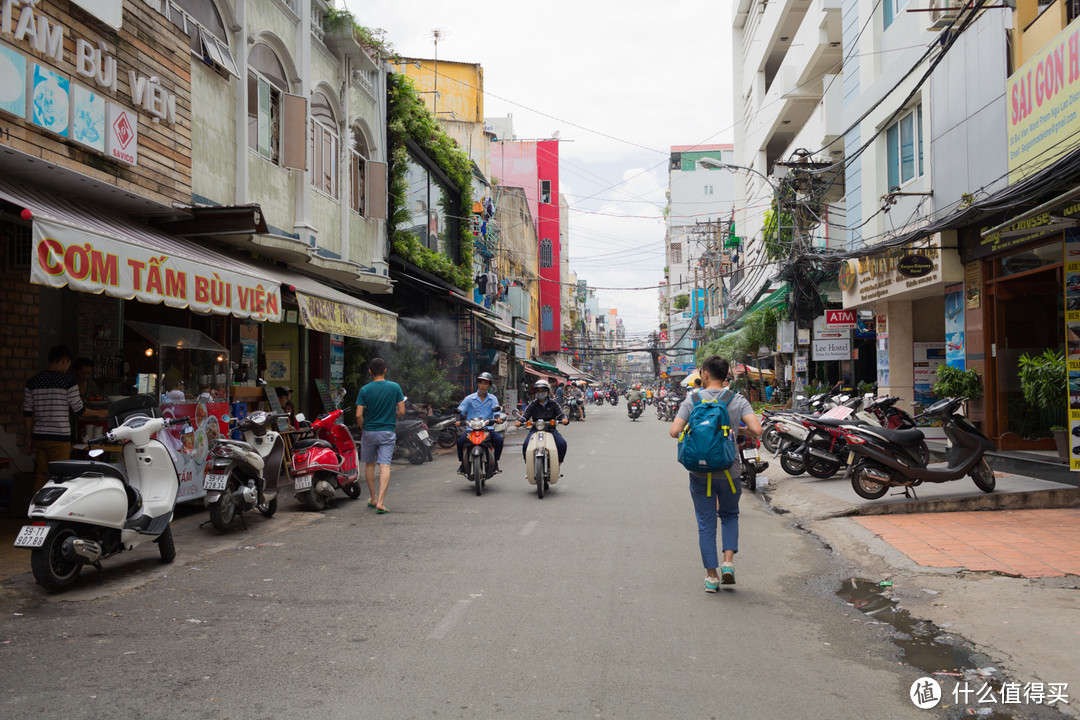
column 1030, row 500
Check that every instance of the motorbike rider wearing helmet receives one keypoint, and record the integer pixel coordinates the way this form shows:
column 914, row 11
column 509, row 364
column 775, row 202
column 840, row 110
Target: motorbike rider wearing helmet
column 481, row 404
column 634, row 396
column 575, row 392
column 544, row 407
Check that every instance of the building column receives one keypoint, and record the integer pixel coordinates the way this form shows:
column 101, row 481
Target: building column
column 901, row 350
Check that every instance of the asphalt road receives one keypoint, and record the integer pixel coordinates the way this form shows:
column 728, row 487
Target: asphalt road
column 588, row 603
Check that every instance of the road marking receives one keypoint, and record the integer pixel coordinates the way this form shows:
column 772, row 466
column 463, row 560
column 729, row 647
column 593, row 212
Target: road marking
column 448, row 622
column 529, row 527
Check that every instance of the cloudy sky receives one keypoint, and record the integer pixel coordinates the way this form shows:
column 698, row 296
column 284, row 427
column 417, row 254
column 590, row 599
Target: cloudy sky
column 620, row 81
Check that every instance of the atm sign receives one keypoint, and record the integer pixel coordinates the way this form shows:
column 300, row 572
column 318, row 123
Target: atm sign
column 840, row 319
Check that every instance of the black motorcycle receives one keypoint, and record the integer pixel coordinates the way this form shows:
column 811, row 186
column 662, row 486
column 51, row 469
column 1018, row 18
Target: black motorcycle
column 413, row 439
column 879, row 458
column 633, row 410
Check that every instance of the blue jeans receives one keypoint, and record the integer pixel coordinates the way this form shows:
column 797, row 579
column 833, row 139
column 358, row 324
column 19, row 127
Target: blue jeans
column 723, row 505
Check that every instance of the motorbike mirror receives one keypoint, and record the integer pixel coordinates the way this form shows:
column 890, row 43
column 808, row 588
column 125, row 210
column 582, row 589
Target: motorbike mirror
column 96, row 453
column 300, row 417
column 226, row 419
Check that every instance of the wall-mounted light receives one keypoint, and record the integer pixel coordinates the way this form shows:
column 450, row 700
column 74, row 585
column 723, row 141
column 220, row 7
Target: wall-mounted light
column 149, row 352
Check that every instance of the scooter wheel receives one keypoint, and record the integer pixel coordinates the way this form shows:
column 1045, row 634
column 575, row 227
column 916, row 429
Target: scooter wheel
column 771, row 439
column 538, row 473
column 750, row 478
column 820, row 468
column 352, row 490
column 476, row 473
column 983, row 476
column 791, row 466
column 223, row 511
column 166, row 546
column 312, row 500
column 447, row 439
column 52, row 570
column 268, row 509
column 867, row 487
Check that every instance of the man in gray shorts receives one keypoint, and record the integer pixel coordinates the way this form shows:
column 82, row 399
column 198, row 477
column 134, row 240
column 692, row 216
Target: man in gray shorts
column 378, row 406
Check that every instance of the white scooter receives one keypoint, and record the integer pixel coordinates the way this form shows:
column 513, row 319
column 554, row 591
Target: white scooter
column 542, row 457
column 91, row 510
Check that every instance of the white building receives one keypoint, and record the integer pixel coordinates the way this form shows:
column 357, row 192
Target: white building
column 788, row 97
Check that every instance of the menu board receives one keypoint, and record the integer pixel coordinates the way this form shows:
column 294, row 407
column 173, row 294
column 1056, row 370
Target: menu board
column 1072, row 337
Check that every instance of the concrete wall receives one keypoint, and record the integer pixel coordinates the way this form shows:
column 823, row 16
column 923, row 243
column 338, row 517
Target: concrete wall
column 213, row 155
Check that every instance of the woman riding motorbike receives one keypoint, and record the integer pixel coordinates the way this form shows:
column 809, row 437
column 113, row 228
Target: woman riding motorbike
column 543, row 407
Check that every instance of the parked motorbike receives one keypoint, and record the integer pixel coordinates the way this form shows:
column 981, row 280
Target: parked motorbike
column 117, row 509
column 633, row 410
column 880, row 458
column 541, row 457
column 573, row 408
column 479, row 453
column 413, row 440
column 245, row 474
column 443, row 427
column 325, row 462
column 752, row 463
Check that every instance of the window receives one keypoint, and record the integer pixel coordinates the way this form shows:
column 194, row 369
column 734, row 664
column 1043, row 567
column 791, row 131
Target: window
column 676, row 253
column 324, row 146
column 201, row 22
column 545, row 192
column 904, row 148
column 708, row 189
column 546, row 259
column 547, row 319
column 367, row 179
column 432, row 206
column 266, row 83
column 359, row 172
column 892, row 10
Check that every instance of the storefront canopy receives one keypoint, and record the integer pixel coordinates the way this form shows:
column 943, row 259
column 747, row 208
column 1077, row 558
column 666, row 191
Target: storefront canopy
column 572, row 372
column 543, row 367
column 92, row 251
column 503, row 331
column 327, row 310
column 753, row 373
column 777, row 298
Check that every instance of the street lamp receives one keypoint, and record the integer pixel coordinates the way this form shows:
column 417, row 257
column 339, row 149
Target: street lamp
column 713, row 164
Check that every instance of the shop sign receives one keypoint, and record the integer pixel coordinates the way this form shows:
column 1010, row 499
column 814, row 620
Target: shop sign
column 847, row 276
column 1021, row 232
column 832, row 350
column 1072, row 337
column 122, row 136
column 110, row 12
column 840, row 319
column 955, row 355
column 800, row 363
column 66, row 256
column 914, row 266
column 972, row 286
column 1041, row 104
column 334, row 317
column 822, row 332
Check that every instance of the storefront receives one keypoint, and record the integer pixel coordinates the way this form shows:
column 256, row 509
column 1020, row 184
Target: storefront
column 904, row 289
column 1015, row 303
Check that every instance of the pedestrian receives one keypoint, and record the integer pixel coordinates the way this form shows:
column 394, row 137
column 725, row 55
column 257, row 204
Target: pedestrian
column 49, row 400
column 379, row 405
column 769, row 390
column 559, row 393
column 713, row 500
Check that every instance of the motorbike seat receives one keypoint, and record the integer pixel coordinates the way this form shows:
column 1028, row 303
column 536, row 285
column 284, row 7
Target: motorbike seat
column 60, row 470
column 312, row 442
column 900, row 437
column 834, row 422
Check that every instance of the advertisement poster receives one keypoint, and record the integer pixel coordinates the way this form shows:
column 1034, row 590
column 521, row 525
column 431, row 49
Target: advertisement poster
column 337, row 359
column 88, row 118
column 927, row 356
column 190, row 444
column 1072, row 337
column 12, row 82
column 954, row 326
column 278, row 366
column 882, row 361
column 50, row 101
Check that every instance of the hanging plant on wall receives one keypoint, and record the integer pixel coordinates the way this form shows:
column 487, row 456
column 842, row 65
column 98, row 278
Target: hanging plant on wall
column 410, row 119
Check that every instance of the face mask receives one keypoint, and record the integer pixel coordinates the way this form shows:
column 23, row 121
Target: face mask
column 541, row 396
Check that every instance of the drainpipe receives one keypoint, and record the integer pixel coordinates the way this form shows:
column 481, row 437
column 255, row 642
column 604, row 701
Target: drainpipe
column 241, row 36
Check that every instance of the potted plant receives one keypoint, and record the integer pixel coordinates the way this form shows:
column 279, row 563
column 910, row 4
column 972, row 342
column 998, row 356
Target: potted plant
column 1044, row 380
column 954, row 382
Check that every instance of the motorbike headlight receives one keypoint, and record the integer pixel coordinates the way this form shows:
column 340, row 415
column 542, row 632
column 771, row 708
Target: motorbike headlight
column 47, row 496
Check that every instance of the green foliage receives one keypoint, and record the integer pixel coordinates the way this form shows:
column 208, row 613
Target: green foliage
column 776, row 233
column 414, row 369
column 866, row 387
column 410, row 118
column 758, row 328
column 373, row 40
column 682, row 302
column 954, row 382
column 1044, row 380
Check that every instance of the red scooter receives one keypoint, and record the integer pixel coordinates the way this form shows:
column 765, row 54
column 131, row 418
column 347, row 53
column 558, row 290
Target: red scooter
column 325, row 462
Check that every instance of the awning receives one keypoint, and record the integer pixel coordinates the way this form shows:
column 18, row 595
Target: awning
column 544, row 367
column 91, row 251
column 500, row 327
column 753, row 373
column 572, row 372
column 542, row 375
column 324, row 309
column 776, row 298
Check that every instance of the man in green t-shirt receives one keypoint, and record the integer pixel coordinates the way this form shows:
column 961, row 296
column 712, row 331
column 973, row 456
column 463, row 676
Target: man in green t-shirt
column 378, row 406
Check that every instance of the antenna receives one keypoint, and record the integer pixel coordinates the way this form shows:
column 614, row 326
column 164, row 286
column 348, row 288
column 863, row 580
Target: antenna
column 436, row 34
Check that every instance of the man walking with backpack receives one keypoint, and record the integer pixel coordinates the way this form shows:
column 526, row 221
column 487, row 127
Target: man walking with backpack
column 710, row 418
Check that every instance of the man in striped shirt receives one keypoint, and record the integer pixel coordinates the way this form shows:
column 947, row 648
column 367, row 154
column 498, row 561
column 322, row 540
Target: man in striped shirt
column 49, row 399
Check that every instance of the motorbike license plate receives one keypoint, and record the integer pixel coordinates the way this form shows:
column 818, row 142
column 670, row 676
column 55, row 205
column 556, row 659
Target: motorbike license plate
column 422, row 435
column 215, row 481
column 750, row 454
column 302, row 483
column 31, row 536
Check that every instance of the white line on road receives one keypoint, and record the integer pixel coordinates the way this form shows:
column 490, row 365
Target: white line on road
column 529, row 527
column 447, row 622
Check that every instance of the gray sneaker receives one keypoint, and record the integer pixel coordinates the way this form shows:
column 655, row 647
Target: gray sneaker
column 727, row 574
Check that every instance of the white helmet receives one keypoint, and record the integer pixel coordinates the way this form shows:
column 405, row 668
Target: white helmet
column 541, row 385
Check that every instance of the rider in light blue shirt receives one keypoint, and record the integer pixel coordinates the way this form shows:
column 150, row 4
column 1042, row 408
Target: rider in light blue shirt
column 481, row 404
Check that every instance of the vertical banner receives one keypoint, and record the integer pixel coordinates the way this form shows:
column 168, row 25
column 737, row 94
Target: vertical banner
column 1072, row 337
column 954, row 326
column 882, row 351
column 927, row 356
column 337, row 359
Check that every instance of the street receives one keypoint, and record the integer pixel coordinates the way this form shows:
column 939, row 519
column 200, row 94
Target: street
column 587, row 603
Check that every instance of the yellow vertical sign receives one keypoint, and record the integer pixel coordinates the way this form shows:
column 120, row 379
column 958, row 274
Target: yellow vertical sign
column 1072, row 341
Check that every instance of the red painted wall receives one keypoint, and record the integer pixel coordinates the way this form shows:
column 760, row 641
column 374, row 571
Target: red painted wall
column 547, row 168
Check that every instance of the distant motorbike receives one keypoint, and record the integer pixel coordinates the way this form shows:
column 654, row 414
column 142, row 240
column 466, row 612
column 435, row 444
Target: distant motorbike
column 573, row 408
column 325, row 462
column 633, row 410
